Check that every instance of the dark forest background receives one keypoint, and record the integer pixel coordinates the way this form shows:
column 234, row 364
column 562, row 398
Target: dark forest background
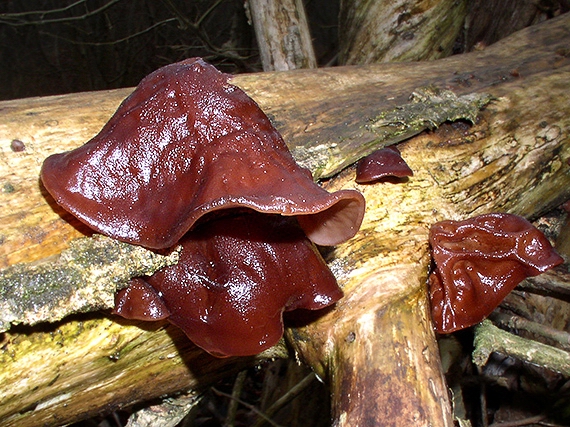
column 56, row 46
column 52, row 47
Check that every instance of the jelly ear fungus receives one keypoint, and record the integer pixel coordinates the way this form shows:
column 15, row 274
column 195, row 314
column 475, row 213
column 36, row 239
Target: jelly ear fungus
column 186, row 143
column 478, row 261
column 190, row 159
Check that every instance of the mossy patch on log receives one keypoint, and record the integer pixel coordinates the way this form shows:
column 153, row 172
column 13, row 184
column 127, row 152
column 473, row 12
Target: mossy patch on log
column 82, row 278
column 428, row 108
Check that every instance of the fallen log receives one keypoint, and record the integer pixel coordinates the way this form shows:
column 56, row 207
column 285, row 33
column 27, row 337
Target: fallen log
column 376, row 348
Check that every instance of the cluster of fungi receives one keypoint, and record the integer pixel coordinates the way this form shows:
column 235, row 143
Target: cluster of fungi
column 189, row 160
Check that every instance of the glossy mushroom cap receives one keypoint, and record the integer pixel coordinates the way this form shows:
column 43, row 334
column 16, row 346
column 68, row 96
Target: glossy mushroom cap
column 478, row 261
column 185, row 143
column 386, row 162
column 140, row 301
column 236, row 276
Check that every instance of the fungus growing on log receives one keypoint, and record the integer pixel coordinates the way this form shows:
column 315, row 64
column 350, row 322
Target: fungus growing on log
column 189, row 158
column 236, row 276
column 478, row 261
column 386, row 162
column 185, row 143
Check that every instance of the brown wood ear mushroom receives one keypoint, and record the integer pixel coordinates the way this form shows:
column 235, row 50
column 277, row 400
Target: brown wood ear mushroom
column 236, row 276
column 386, row 162
column 183, row 144
column 189, row 158
column 149, row 305
column 478, row 261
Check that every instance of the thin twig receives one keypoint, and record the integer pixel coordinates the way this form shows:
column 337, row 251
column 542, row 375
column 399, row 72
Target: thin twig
column 521, row 422
column 236, row 392
column 291, row 394
column 42, row 12
column 562, row 338
column 198, row 31
column 489, row 339
column 207, row 13
column 248, row 406
column 58, row 20
column 483, row 400
column 554, row 283
column 124, row 39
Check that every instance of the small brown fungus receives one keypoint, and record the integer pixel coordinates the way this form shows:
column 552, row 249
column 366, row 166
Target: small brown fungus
column 383, row 163
column 140, row 301
column 17, row 146
column 189, row 158
column 478, row 261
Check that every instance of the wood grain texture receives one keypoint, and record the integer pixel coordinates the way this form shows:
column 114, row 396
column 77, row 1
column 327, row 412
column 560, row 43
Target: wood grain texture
column 380, row 31
column 282, row 34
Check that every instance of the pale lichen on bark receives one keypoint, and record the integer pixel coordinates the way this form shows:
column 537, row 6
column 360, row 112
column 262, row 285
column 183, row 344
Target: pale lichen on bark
column 169, row 413
column 82, row 278
column 428, row 108
column 489, row 339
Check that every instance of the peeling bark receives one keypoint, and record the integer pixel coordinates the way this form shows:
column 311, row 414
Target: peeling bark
column 282, row 33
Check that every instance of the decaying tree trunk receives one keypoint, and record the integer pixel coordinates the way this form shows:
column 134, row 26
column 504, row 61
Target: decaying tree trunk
column 282, row 33
column 376, row 348
column 384, row 31
column 489, row 21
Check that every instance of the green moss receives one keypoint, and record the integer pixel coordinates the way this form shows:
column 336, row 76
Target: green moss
column 83, row 278
column 489, row 339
